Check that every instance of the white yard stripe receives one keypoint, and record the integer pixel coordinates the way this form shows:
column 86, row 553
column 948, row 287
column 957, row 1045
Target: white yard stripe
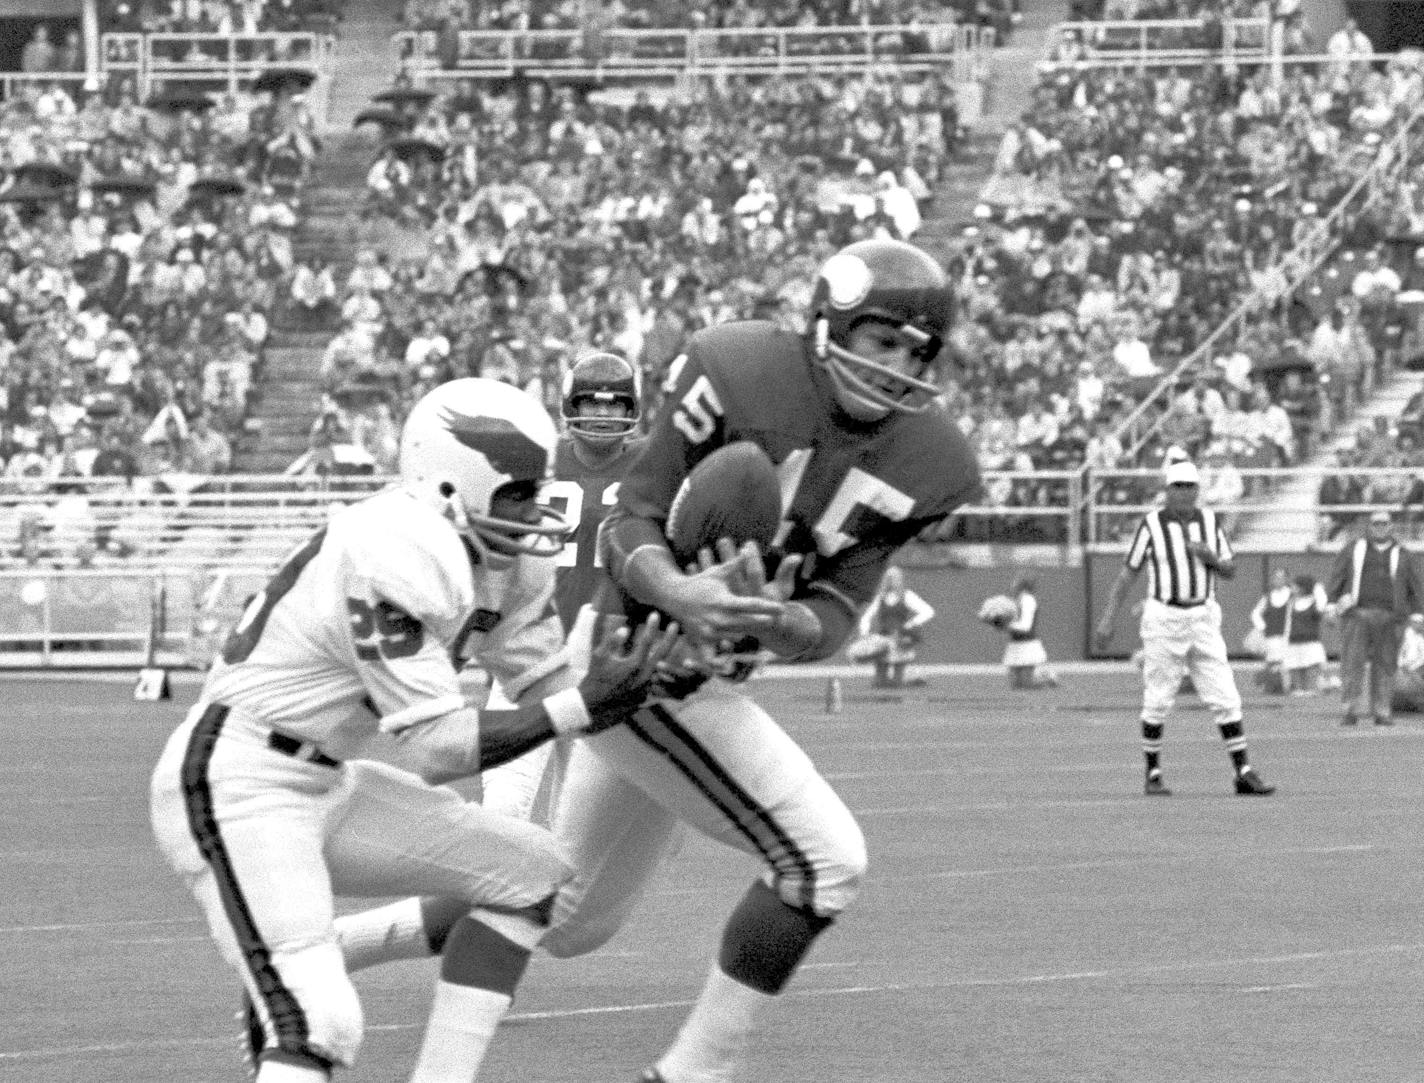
column 1059, row 977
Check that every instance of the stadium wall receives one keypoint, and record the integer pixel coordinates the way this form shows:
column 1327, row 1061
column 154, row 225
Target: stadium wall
column 1070, row 599
column 102, row 618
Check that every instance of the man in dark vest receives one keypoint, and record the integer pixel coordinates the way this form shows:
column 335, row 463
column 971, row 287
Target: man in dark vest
column 1375, row 585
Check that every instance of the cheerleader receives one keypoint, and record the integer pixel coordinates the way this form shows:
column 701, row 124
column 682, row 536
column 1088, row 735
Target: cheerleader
column 1269, row 619
column 1304, row 659
column 1024, row 656
column 889, row 632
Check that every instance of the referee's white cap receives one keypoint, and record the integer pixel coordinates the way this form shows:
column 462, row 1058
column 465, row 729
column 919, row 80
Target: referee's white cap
column 1182, row 472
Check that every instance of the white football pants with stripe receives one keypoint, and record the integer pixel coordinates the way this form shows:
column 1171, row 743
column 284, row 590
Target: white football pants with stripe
column 265, row 841
column 719, row 763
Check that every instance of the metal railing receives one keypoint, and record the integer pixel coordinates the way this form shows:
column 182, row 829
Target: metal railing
column 673, row 53
column 1261, row 518
column 1146, row 42
column 221, row 62
column 178, row 603
column 1143, row 422
column 12, row 83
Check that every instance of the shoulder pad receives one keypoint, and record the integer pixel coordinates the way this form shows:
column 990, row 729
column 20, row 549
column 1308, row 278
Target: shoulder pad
column 408, row 555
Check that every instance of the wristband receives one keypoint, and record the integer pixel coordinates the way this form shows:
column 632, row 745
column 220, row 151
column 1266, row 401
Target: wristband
column 567, row 712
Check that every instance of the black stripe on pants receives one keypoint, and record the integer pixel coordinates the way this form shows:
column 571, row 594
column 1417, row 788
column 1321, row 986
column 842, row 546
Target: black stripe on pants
column 288, row 1020
column 696, row 764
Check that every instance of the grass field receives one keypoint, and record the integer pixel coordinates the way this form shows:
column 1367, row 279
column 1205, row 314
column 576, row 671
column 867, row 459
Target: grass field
column 1030, row 916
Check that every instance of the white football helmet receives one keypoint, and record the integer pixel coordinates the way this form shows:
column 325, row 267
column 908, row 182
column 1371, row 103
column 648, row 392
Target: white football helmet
column 467, row 438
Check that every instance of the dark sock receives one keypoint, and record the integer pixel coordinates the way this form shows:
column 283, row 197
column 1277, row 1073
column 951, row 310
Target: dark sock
column 765, row 939
column 1152, row 746
column 1234, row 734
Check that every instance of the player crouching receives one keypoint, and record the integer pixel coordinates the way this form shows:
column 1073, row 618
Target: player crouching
column 258, row 801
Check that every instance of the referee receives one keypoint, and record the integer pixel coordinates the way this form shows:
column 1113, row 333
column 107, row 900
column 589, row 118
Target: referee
column 1185, row 551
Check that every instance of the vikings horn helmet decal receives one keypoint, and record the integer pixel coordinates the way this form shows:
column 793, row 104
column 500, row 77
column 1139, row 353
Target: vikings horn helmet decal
column 895, row 283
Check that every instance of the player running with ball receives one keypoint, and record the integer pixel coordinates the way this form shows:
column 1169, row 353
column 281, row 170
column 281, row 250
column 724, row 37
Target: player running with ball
column 860, row 457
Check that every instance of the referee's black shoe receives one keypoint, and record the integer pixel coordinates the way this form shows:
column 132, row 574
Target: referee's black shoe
column 1250, row 784
column 1155, row 787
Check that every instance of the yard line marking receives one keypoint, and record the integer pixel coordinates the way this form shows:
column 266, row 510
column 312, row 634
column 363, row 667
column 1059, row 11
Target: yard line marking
column 1159, row 969
column 1280, row 988
column 90, row 926
column 166, row 940
column 1146, row 859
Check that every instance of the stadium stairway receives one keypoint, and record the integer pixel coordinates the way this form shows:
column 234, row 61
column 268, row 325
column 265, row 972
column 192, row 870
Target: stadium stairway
column 288, row 392
column 1013, row 72
column 1292, row 521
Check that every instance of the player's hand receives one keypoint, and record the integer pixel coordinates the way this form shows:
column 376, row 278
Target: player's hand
column 622, row 672
column 721, row 598
column 687, row 668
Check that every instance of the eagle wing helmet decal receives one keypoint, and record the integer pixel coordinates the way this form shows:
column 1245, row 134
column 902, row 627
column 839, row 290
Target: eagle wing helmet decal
column 508, row 449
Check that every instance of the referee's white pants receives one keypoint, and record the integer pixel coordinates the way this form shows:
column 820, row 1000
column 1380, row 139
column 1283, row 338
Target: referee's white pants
column 1176, row 642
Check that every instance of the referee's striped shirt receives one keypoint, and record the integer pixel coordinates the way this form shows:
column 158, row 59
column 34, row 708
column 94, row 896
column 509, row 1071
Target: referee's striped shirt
column 1176, row 577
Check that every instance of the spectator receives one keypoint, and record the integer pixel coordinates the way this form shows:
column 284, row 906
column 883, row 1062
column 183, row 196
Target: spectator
column 207, row 451
column 114, row 458
column 39, row 54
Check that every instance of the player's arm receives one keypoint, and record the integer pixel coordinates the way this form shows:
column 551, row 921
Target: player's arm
column 825, row 609
column 462, row 741
column 633, row 539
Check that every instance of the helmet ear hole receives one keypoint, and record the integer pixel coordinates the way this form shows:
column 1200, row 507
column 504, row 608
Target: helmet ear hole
column 447, row 489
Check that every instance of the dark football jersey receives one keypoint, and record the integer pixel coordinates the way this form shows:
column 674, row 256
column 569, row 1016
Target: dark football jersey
column 852, row 493
column 583, row 496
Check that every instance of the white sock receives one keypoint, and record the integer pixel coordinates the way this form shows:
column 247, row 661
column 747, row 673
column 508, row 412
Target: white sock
column 462, row 1023
column 273, row 1071
column 713, row 1041
column 382, row 935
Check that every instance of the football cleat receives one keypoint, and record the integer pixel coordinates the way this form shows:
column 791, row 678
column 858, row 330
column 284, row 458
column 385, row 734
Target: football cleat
column 1250, row 784
column 651, row 1075
column 1155, row 787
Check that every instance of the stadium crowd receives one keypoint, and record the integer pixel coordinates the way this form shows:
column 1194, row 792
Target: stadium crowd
column 142, row 247
column 1125, row 220
column 1131, row 217
column 555, row 224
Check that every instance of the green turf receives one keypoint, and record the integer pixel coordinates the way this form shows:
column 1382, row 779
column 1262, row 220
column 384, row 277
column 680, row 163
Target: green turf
column 1029, row 916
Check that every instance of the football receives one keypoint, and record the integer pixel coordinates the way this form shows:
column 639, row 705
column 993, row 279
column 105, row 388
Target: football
column 733, row 493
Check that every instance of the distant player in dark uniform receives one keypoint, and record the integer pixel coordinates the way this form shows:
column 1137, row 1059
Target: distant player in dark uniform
column 601, row 407
column 867, row 458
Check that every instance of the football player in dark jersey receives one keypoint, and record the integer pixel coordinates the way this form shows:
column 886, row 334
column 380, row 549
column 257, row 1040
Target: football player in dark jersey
column 867, row 458
column 601, row 407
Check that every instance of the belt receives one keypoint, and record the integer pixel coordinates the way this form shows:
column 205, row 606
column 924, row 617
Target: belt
column 298, row 749
column 1186, row 605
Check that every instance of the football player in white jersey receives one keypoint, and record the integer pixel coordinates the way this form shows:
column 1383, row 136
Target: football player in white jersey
column 256, row 801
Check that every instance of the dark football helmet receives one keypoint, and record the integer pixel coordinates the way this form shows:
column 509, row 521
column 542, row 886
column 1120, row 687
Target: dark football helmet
column 601, row 377
column 895, row 283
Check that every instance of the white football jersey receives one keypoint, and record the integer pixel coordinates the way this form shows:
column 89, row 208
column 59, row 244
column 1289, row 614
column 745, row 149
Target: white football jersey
column 367, row 623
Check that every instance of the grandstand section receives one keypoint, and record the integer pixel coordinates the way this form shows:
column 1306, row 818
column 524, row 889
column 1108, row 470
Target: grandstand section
column 1164, row 247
